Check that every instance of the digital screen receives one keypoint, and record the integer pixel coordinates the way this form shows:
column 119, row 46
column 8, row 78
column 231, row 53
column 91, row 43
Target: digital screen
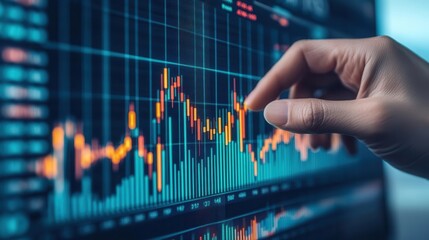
column 124, row 119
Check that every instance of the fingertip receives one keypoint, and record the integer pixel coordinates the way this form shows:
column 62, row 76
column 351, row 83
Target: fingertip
column 248, row 104
column 264, row 92
column 276, row 113
column 251, row 104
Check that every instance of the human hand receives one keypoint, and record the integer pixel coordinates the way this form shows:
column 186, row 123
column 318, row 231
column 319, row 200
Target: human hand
column 373, row 89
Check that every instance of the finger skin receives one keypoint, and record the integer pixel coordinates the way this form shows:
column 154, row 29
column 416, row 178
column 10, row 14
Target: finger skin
column 315, row 116
column 386, row 107
column 309, row 57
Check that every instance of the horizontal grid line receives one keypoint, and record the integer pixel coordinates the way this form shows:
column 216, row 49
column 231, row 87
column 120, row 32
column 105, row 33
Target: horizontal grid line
column 117, row 13
column 102, row 52
column 123, row 97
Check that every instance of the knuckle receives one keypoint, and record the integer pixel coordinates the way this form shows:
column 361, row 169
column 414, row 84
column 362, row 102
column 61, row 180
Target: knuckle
column 387, row 40
column 299, row 45
column 384, row 44
column 313, row 116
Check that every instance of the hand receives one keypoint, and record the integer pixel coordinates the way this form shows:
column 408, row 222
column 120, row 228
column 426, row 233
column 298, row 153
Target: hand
column 373, row 89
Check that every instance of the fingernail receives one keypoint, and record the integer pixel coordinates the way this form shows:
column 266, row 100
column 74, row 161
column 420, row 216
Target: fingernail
column 276, row 113
column 248, row 100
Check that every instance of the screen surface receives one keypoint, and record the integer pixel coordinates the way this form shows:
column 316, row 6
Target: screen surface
column 125, row 120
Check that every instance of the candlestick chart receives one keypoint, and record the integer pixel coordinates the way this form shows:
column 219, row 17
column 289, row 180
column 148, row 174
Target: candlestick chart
column 127, row 118
column 229, row 161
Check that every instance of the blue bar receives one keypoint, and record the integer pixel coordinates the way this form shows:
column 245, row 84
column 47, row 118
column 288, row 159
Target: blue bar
column 198, row 180
column 182, row 182
column 146, row 190
column 175, row 182
column 163, row 168
column 154, row 189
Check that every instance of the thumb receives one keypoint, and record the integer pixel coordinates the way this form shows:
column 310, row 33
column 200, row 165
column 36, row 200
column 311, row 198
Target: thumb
column 318, row 116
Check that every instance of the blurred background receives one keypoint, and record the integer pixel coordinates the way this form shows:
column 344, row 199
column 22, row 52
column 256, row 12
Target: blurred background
column 406, row 21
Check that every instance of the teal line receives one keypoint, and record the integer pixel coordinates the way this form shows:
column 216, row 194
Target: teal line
column 180, row 121
column 64, row 57
column 86, row 72
column 182, row 180
column 203, row 27
column 188, row 178
column 170, row 149
column 249, row 43
column 185, row 179
column 175, row 182
column 199, row 179
column 136, row 67
column 215, row 61
column 141, row 181
column 204, row 176
column 146, row 190
column 106, row 75
column 185, row 139
column 106, row 102
column 178, row 35
column 136, row 179
column 163, row 177
column 192, row 175
column 150, row 67
column 208, row 176
column 240, row 41
column 212, row 176
column 112, row 54
column 195, row 79
column 127, row 63
column 121, row 97
column 228, row 59
column 150, row 21
column 165, row 31
column 179, row 184
column 131, row 192
column 220, row 160
column 154, row 188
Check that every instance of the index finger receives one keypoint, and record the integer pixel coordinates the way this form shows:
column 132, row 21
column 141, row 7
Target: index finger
column 304, row 57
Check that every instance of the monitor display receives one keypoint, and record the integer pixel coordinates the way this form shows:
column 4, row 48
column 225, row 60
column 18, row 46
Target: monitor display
column 124, row 119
